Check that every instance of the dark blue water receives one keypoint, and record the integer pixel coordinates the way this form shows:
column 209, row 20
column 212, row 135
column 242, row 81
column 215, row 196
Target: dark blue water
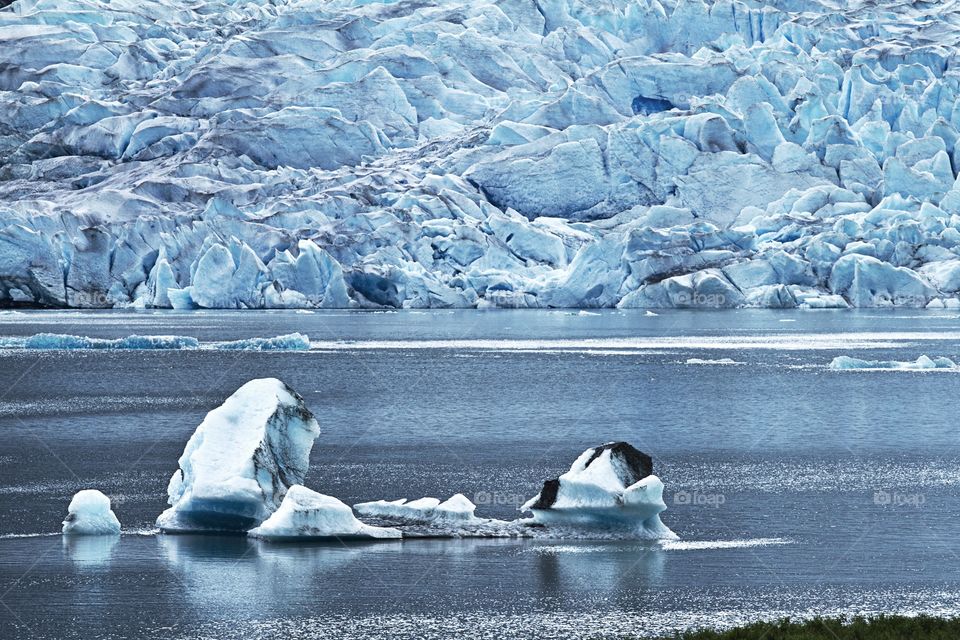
column 795, row 489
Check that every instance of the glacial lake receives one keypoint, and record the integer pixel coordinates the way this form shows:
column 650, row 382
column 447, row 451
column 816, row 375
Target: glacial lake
column 795, row 489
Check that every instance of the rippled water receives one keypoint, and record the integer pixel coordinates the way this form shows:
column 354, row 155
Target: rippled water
column 795, row 489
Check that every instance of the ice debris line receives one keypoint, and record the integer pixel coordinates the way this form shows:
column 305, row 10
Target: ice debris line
column 923, row 363
column 455, row 153
column 67, row 342
column 243, row 469
column 89, row 514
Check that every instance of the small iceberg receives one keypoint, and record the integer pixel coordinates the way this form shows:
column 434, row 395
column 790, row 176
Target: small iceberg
column 308, row 515
column 923, row 363
column 609, row 489
column 289, row 342
column 89, row 514
column 241, row 460
column 62, row 342
column 429, row 517
column 457, row 507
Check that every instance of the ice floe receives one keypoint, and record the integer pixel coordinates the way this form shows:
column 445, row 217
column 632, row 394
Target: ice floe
column 923, row 363
column 55, row 341
column 429, row 517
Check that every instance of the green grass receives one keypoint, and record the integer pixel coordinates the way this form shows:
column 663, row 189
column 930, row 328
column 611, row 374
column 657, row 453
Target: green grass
column 879, row 628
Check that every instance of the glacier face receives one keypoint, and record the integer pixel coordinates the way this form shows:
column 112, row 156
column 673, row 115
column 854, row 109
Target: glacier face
column 490, row 153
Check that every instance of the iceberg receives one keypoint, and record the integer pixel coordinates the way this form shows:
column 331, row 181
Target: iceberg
column 609, row 490
column 308, row 515
column 429, row 517
column 89, row 514
column 457, row 507
column 923, row 363
column 239, row 463
column 290, row 342
column 54, row 341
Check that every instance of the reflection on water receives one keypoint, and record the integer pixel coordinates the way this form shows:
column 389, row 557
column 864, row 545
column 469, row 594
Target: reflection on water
column 608, row 569
column 90, row 551
column 222, row 574
column 797, row 451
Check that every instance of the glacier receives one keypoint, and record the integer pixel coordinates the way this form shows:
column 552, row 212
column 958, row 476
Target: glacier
column 490, row 153
column 89, row 514
column 240, row 462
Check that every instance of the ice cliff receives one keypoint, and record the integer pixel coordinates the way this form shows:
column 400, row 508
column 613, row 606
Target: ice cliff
column 508, row 153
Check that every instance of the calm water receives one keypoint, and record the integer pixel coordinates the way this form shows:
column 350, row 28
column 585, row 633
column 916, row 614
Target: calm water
column 777, row 470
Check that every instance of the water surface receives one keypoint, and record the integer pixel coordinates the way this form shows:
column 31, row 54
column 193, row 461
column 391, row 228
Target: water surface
column 795, row 489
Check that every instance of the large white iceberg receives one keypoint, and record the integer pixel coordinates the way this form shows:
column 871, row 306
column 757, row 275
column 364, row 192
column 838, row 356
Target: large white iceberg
column 609, row 489
column 241, row 460
column 89, row 514
column 306, row 514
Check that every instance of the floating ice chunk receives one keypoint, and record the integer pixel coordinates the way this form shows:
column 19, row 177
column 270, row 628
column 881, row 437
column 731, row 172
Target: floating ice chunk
column 66, row 342
column 89, row 514
column 55, row 341
column 723, row 361
column 424, row 510
column 306, row 514
column 923, row 363
column 428, row 517
column 289, row 342
column 239, row 463
column 608, row 488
